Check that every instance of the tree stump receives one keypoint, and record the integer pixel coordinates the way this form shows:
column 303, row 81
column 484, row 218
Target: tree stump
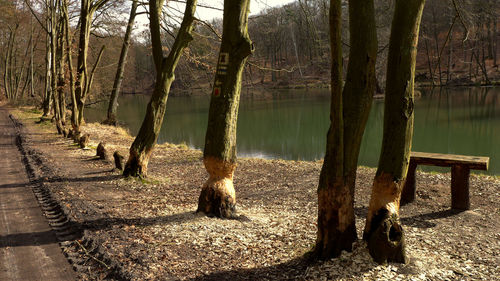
column 101, row 151
column 76, row 137
column 118, row 160
column 70, row 134
column 84, row 141
column 386, row 240
column 65, row 132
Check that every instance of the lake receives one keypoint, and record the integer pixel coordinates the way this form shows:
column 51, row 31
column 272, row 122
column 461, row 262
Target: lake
column 292, row 124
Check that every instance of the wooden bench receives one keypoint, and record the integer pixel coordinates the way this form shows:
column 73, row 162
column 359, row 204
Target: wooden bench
column 460, row 171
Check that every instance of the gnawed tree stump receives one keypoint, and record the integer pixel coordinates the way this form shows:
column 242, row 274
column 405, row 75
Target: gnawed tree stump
column 76, row 136
column 84, row 141
column 101, row 151
column 118, row 160
column 65, row 132
column 70, row 134
column 218, row 196
column 59, row 128
column 386, row 240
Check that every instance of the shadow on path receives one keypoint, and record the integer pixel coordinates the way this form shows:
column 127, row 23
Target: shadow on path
column 28, row 239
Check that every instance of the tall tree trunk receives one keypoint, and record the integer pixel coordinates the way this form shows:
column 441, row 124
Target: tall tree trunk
column 81, row 72
column 47, row 93
column 113, row 101
column 82, row 83
column 53, row 65
column 61, row 71
column 7, row 71
column 143, row 145
column 217, row 196
column 32, row 82
column 383, row 229
column 348, row 115
column 69, row 57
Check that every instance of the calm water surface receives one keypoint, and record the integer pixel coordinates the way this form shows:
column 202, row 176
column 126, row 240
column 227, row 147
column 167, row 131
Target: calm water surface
column 293, row 124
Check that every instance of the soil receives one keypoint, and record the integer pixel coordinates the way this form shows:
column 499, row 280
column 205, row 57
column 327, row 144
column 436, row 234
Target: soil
column 148, row 229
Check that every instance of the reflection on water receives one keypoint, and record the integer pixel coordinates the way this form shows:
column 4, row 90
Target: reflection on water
column 293, row 124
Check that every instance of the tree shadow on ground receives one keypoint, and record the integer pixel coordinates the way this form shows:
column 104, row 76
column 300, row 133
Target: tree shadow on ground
column 28, row 239
column 106, row 223
column 422, row 220
column 294, row 269
column 82, row 179
column 418, row 221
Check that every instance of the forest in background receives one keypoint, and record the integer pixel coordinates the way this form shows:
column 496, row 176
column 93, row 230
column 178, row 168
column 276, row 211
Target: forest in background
column 458, row 45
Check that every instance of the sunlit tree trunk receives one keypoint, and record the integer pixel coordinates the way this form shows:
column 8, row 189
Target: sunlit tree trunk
column 383, row 229
column 113, row 101
column 143, row 145
column 348, row 115
column 61, row 71
column 47, row 94
column 218, row 195
column 53, row 33
column 83, row 79
column 69, row 57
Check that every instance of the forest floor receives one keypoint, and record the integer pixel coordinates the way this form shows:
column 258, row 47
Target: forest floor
column 149, row 230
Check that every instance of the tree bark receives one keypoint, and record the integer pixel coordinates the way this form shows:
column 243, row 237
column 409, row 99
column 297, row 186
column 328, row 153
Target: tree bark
column 348, row 116
column 69, row 57
column 47, row 95
column 61, row 71
column 81, row 73
column 113, row 101
column 82, row 85
column 383, row 229
column 217, row 195
column 143, row 145
column 53, row 33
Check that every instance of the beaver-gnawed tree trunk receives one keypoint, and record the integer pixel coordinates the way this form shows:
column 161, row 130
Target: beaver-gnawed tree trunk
column 217, row 195
column 383, row 229
column 143, row 145
column 348, row 115
column 113, row 100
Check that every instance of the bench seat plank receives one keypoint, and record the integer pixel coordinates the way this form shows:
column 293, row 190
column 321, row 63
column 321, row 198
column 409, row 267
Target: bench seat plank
column 448, row 160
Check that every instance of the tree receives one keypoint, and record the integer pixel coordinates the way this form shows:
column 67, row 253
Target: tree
column 219, row 156
column 383, row 229
column 83, row 78
column 143, row 145
column 113, row 101
column 69, row 59
column 348, row 115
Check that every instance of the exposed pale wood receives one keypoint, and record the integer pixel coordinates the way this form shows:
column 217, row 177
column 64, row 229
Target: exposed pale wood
column 447, row 160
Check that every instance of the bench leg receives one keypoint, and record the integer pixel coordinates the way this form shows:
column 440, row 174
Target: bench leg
column 460, row 187
column 408, row 193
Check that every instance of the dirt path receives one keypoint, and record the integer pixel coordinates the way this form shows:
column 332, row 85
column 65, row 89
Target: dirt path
column 28, row 247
